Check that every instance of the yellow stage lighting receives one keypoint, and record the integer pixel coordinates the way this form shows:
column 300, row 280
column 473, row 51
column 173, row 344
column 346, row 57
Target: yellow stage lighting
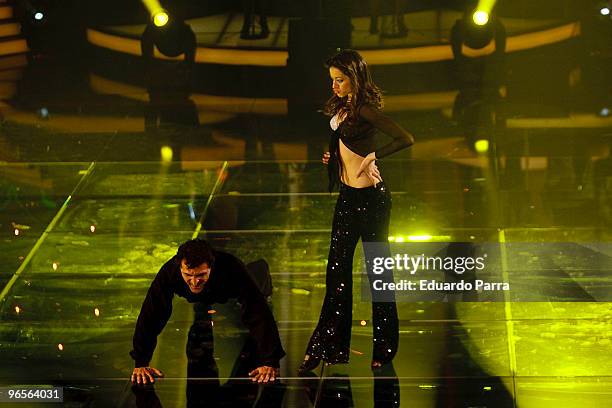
column 480, row 17
column 420, row 238
column 482, row 146
column 166, row 154
column 160, row 19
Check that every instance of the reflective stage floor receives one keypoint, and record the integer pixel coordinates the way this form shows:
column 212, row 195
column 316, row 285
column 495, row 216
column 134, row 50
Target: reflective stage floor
column 82, row 241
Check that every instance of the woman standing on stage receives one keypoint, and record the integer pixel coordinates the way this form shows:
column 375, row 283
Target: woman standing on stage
column 362, row 211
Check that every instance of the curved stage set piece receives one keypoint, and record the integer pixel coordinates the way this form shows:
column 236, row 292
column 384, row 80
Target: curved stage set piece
column 120, row 140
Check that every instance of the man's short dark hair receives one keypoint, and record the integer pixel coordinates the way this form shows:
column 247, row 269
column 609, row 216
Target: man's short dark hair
column 195, row 252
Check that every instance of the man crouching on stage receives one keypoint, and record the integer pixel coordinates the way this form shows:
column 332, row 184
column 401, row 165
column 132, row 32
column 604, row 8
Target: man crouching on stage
column 201, row 274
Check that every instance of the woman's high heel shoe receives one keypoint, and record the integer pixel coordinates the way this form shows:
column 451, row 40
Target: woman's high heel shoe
column 308, row 365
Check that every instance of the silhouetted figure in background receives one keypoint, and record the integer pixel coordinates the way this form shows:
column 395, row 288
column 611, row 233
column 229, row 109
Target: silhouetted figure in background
column 251, row 8
column 396, row 27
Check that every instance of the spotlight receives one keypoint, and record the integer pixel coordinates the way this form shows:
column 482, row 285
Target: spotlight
column 605, row 11
column 166, row 154
column 480, row 17
column 160, row 18
column 604, row 112
column 172, row 39
column 34, row 12
column 481, row 146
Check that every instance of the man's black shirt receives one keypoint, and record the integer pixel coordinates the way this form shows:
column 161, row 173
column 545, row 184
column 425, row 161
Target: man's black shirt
column 228, row 279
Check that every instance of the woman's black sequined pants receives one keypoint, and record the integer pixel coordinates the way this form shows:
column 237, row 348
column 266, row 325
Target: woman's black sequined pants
column 360, row 213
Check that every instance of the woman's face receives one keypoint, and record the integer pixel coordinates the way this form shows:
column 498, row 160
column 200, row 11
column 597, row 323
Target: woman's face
column 341, row 84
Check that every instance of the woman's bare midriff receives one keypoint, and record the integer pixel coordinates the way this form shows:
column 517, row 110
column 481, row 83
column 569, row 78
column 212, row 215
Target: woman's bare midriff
column 351, row 162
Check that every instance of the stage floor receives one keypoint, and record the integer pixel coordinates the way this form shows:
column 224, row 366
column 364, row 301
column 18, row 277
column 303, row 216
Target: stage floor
column 89, row 237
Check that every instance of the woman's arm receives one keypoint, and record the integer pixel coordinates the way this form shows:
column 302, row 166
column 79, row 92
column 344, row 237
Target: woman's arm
column 401, row 137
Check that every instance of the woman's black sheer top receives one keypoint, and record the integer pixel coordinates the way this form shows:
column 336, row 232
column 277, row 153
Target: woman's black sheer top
column 359, row 137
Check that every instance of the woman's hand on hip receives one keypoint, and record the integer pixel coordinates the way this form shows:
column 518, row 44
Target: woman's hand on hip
column 373, row 174
column 368, row 166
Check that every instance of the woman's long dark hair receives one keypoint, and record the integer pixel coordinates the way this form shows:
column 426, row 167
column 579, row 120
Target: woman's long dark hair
column 364, row 92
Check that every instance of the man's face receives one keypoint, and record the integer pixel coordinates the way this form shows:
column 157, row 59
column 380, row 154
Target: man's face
column 196, row 277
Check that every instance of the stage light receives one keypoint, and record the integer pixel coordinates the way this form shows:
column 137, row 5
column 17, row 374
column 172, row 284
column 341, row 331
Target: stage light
column 92, row 228
column 160, row 19
column 17, row 232
column 605, row 11
column 60, row 347
column 166, row 154
column 38, row 16
column 55, row 265
column 97, row 312
column 17, row 309
column 604, row 112
column 480, row 17
column 363, row 323
column 481, row 146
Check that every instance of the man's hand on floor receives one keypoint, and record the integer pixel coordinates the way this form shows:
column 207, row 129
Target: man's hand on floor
column 264, row 374
column 144, row 375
